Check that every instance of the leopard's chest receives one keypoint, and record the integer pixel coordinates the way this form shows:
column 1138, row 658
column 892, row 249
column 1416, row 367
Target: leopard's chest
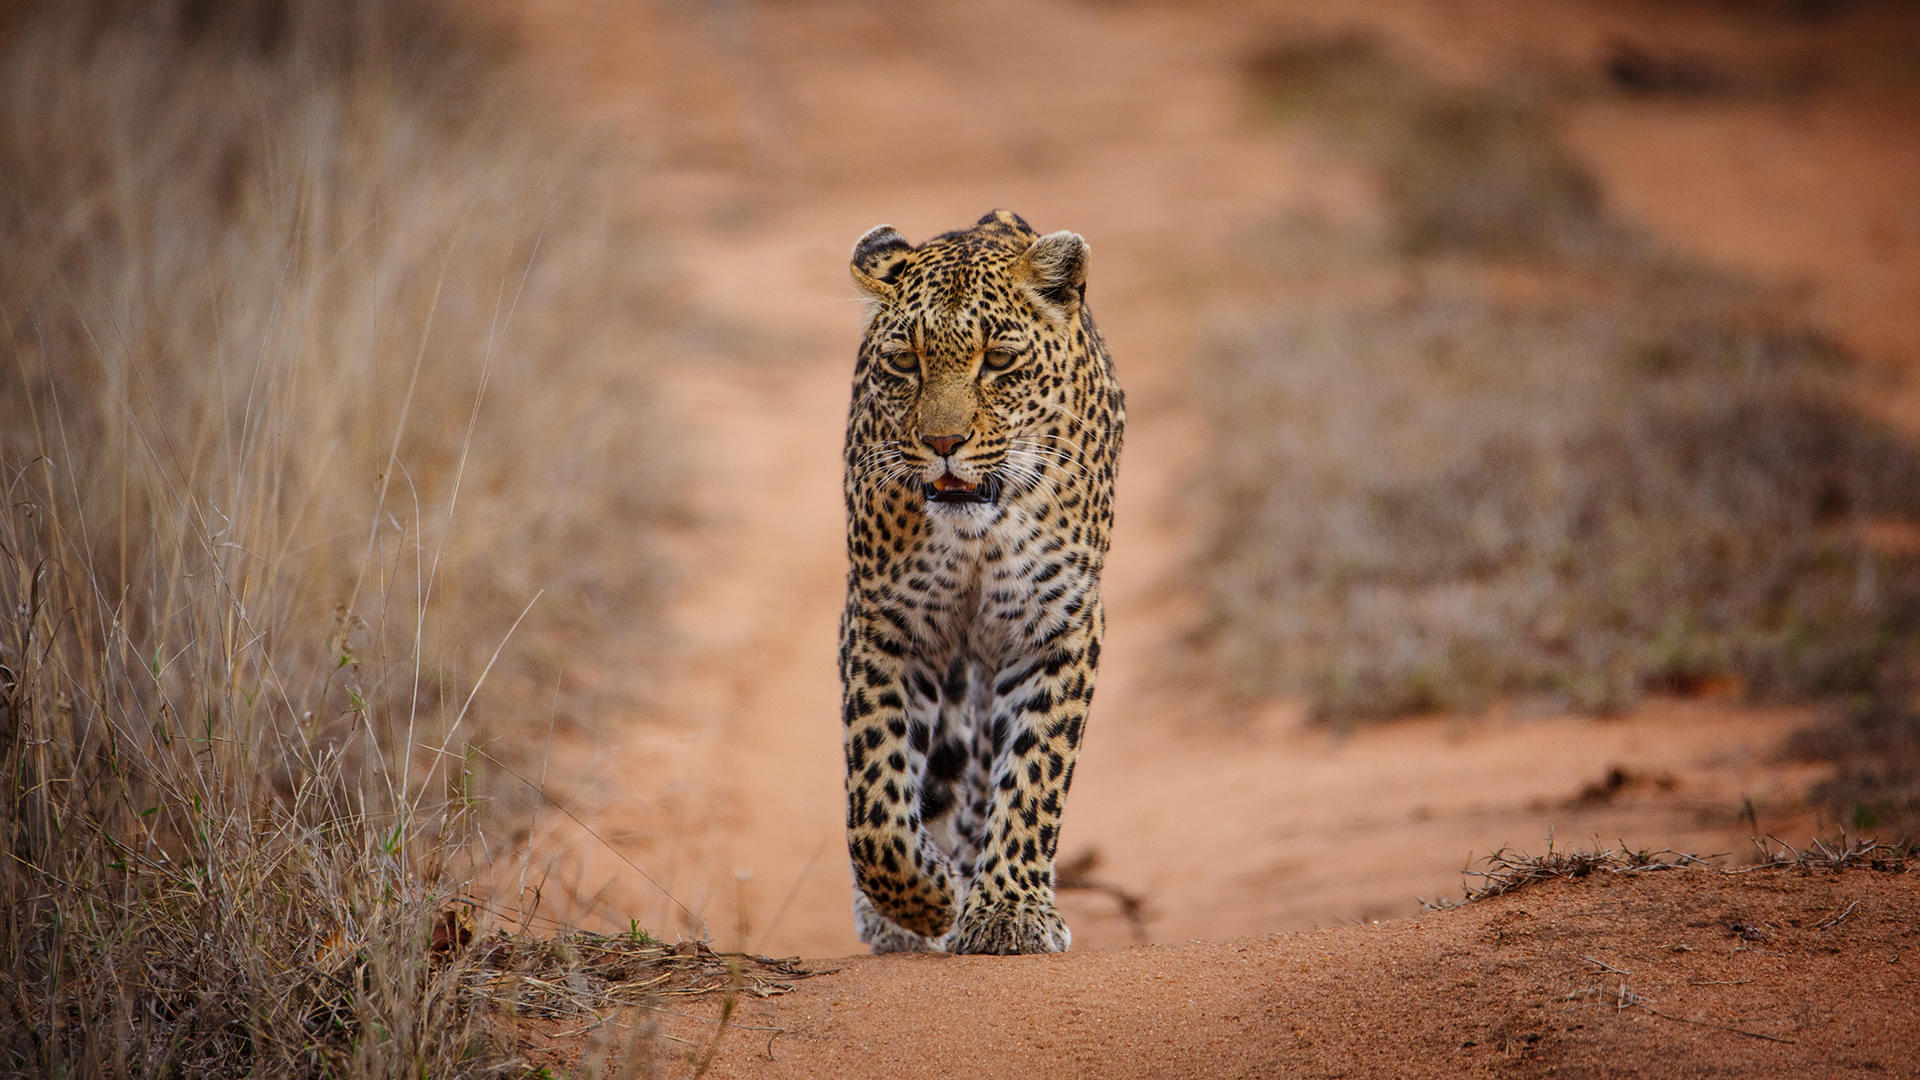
column 990, row 583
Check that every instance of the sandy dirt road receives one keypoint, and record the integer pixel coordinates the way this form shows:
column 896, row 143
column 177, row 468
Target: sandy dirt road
column 729, row 797
column 768, row 138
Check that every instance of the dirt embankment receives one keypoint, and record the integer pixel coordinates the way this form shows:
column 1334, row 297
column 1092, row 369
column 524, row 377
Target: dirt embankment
column 770, row 139
column 1673, row 973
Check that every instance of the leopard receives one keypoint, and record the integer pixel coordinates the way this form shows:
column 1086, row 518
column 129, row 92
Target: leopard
column 983, row 439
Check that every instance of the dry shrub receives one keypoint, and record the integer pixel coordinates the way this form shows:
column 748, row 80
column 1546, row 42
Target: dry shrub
column 1874, row 745
column 1445, row 501
column 316, row 372
column 1464, row 168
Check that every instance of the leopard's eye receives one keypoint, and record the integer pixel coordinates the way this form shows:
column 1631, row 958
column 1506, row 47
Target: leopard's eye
column 903, row 361
column 999, row 359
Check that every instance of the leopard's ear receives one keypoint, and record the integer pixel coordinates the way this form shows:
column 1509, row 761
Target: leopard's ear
column 877, row 260
column 1053, row 271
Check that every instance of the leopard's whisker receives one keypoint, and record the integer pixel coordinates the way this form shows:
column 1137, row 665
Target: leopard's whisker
column 1023, row 475
column 878, row 456
column 1027, row 469
column 1056, row 438
column 895, row 473
column 1050, row 456
column 1042, row 454
column 1033, row 442
column 1085, row 424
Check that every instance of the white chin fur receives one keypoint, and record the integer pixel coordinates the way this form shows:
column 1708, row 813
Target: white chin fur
column 968, row 521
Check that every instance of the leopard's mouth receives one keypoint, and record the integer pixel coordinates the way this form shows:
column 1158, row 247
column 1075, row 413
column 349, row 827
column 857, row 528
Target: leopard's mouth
column 951, row 489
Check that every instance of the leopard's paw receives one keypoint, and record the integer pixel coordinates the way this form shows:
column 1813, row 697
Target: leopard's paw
column 883, row 935
column 1014, row 925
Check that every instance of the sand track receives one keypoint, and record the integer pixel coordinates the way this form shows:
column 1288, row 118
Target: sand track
column 766, row 140
column 1675, row 973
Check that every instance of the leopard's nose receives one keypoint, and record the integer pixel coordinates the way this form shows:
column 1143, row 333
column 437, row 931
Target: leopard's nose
column 945, row 444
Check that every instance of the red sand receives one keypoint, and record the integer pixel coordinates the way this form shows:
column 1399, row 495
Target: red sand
column 767, row 138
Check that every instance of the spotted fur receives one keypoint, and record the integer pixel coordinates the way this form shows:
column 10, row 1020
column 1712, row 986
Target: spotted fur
column 981, row 447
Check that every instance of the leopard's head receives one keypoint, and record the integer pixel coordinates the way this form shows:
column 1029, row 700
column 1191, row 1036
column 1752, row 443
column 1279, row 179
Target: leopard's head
column 969, row 359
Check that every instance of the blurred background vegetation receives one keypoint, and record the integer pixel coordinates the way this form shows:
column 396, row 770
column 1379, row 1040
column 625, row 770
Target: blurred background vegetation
column 1501, row 446
column 1557, row 465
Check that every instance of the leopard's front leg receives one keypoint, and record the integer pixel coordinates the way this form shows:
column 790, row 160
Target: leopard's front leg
column 1040, row 717
column 896, row 864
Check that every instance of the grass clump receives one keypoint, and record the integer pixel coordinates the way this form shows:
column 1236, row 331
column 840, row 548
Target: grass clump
column 313, row 359
column 1439, row 503
column 1508, row 870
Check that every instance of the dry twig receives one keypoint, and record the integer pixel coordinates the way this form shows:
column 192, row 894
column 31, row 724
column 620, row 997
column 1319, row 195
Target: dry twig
column 1838, row 919
column 1077, row 873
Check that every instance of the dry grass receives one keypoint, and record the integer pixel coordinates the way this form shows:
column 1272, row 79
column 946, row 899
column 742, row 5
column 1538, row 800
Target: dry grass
column 1444, row 502
column 1507, row 870
column 1874, row 745
column 316, row 375
column 579, row 975
column 1573, row 474
column 1463, row 169
column 308, row 269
